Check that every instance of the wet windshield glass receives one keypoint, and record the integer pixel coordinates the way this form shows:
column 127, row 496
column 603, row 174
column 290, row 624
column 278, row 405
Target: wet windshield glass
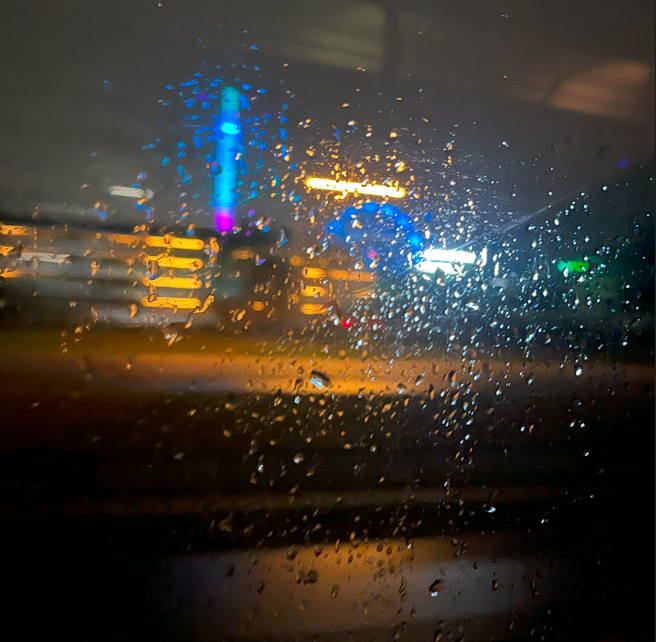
column 327, row 321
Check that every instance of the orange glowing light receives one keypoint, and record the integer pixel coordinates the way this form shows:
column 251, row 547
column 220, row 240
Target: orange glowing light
column 181, row 303
column 175, row 262
column 191, row 283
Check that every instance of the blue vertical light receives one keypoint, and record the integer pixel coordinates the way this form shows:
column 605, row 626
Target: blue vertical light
column 228, row 139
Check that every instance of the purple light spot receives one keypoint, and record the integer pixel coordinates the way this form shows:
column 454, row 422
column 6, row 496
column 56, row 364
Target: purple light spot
column 622, row 162
column 223, row 219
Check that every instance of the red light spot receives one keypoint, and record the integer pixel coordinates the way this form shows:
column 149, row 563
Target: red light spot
column 346, row 323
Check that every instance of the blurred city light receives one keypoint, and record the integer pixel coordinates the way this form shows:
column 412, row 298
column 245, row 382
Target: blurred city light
column 181, row 303
column 448, row 256
column 447, row 261
column 130, row 192
column 344, row 186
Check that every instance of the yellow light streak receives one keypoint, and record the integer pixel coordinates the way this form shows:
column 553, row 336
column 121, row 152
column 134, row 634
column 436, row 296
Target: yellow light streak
column 351, row 275
column 345, row 186
column 15, row 230
column 182, row 303
column 174, row 242
column 314, row 290
column 11, row 274
column 313, row 273
column 158, row 241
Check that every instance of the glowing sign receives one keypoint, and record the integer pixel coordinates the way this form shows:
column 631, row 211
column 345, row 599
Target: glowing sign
column 227, row 151
column 359, row 188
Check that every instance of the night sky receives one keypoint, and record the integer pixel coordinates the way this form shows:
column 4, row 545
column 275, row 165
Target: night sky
column 538, row 102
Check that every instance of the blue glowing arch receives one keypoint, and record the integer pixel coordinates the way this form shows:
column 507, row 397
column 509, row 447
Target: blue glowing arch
column 375, row 230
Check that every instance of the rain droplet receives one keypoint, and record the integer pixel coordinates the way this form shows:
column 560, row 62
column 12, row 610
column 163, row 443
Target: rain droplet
column 226, row 524
column 260, row 587
column 495, row 585
column 579, row 371
column 319, row 380
column 435, row 588
column 298, row 458
column 334, row 592
column 311, row 577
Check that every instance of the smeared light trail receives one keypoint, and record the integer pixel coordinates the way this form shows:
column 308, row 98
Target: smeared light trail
column 344, row 186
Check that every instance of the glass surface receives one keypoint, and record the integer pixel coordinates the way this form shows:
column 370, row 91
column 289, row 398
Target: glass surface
column 328, row 320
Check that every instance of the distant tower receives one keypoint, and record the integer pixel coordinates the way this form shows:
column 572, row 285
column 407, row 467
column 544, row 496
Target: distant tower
column 228, row 144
